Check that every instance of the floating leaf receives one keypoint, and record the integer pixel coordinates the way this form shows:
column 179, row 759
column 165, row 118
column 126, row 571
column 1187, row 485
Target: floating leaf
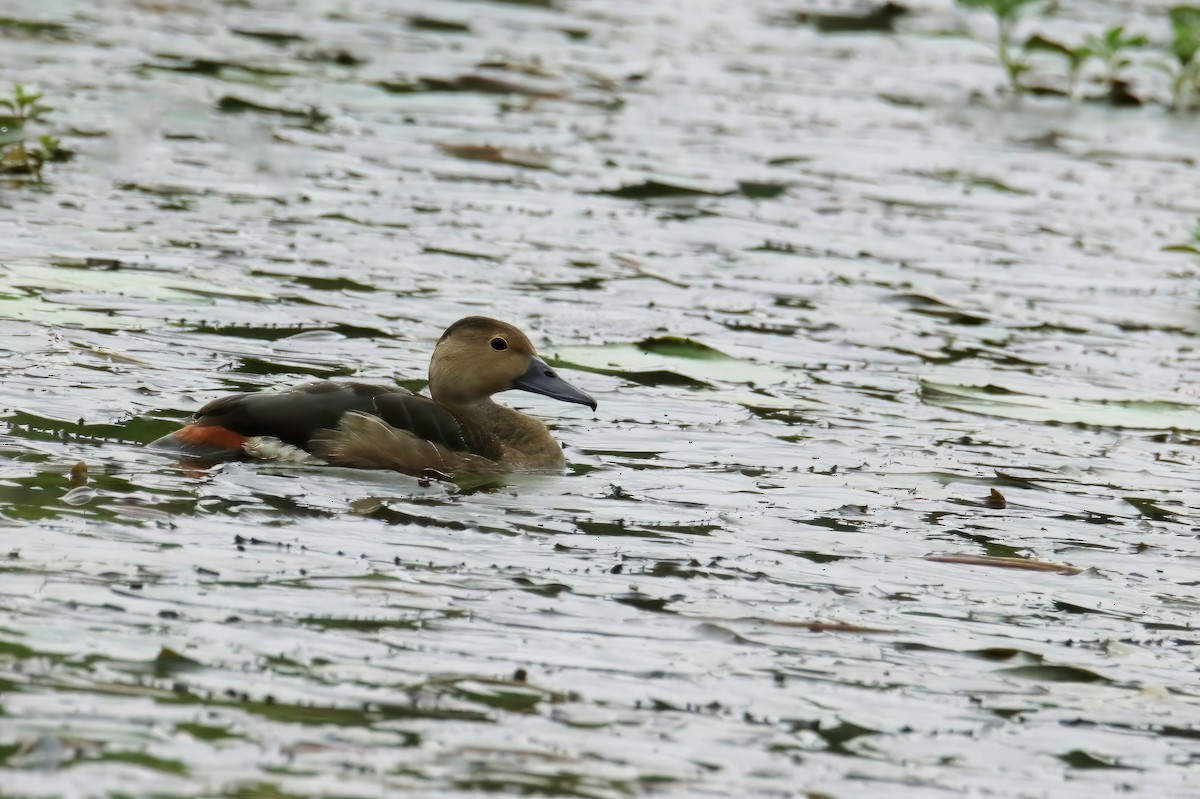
column 481, row 84
column 229, row 104
column 757, row 190
column 656, row 189
column 71, row 294
column 143, row 761
column 1049, row 673
column 688, row 363
column 169, row 663
column 1077, row 758
column 438, row 25
column 1152, row 511
column 993, row 400
column 204, row 732
column 879, row 19
column 32, row 28
column 678, row 347
column 277, row 38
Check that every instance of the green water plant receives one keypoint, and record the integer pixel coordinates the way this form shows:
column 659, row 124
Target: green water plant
column 1076, row 56
column 17, row 155
column 1111, row 48
column 1006, row 12
column 1185, row 70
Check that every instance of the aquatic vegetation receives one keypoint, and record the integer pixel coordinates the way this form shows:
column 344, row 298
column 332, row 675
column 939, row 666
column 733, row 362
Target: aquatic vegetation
column 993, row 400
column 1007, row 13
column 1185, row 71
column 880, row 18
column 1076, row 57
column 1112, row 48
column 17, row 156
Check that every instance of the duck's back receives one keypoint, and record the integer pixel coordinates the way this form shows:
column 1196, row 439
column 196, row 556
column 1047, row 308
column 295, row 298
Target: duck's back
column 291, row 416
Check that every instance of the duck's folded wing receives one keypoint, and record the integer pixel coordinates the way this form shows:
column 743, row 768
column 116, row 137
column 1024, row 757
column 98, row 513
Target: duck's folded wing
column 366, row 441
column 424, row 418
column 429, row 421
column 409, row 434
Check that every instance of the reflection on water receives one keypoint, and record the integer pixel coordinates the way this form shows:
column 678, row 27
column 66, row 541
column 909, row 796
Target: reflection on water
column 891, row 490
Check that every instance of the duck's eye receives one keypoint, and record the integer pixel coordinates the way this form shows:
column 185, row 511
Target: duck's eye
column 499, row 343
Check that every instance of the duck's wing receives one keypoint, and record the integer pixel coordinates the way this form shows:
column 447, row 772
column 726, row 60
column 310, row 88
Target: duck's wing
column 429, row 421
column 366, row 441
column 410, row 434
column 424, row 418
column 293, row 416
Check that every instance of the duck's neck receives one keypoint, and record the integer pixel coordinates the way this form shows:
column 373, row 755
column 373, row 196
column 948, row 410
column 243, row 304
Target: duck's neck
column 525, row 439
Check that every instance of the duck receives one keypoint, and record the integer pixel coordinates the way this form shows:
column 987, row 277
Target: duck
column 457, row 429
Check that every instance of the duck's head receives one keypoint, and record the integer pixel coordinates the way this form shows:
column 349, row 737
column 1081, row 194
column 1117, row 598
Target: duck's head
column 477, row 357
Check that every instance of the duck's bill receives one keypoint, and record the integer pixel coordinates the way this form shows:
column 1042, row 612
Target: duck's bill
column 541, row 379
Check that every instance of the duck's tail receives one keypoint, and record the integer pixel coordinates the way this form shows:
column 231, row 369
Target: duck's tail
column 203, row 442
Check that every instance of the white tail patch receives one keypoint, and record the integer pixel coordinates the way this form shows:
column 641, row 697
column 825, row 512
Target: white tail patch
column 269, row 448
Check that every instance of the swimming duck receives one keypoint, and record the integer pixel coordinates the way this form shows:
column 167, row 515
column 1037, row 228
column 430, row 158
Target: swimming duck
column 458, row 428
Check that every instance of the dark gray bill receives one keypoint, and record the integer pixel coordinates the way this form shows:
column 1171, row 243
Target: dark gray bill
column 541, row 379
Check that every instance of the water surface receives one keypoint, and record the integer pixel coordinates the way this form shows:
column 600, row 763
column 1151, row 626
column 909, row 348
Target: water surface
column 892, row 486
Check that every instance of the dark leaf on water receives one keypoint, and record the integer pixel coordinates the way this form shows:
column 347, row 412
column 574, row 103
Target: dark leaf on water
column 678, row 347
column 761, row 191
column 1151, row 511
column 880, row 19
column 437, row 25
column 1077, row 758
column 654, row 189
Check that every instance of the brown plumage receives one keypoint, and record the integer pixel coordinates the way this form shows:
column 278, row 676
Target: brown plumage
column 459, row 428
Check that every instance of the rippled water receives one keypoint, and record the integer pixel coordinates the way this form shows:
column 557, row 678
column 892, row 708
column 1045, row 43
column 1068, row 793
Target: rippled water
column 892, row 486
